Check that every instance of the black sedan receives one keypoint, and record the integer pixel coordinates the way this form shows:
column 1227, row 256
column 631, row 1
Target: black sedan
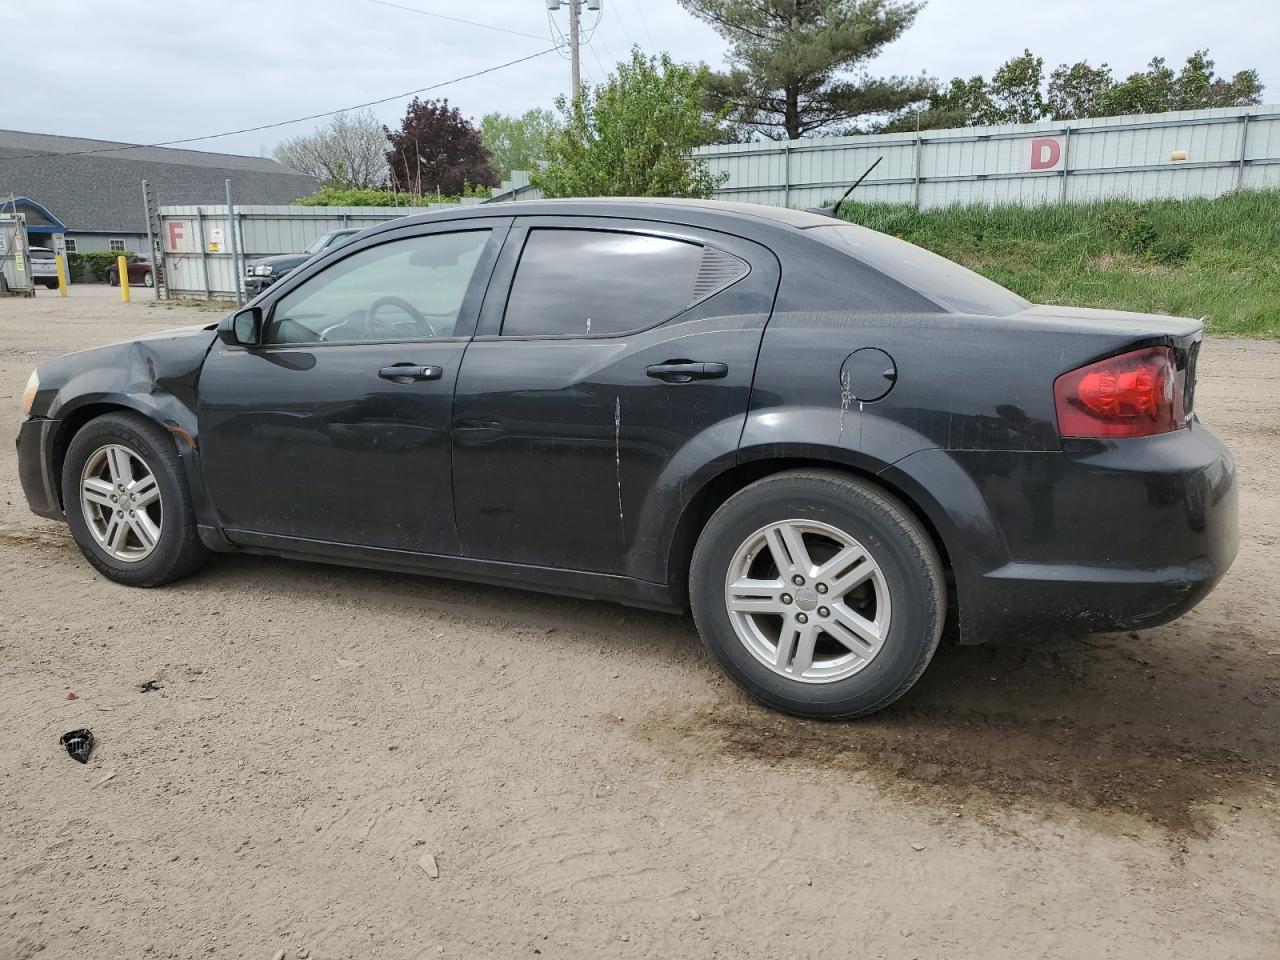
column 826, row 442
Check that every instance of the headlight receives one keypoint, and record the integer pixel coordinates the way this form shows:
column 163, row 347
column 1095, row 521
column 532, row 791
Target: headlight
column 29, row 394
column 262, row 271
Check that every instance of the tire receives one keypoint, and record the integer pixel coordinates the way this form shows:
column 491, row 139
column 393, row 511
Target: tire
column 883, row 631
column 176, row 551
column 148, row 280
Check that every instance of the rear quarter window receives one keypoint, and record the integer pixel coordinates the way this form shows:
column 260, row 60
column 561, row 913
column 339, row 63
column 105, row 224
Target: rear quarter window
column 955, row 288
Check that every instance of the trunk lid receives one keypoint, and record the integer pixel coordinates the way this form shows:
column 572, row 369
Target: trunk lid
column 1183, row 334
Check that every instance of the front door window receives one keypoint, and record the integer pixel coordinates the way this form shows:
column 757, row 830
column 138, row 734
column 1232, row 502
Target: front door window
column 410, row 289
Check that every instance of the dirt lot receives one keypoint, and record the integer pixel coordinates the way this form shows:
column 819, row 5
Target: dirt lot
column 588, row 783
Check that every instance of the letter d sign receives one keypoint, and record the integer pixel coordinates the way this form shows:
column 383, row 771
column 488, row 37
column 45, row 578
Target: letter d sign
column 1045, row 153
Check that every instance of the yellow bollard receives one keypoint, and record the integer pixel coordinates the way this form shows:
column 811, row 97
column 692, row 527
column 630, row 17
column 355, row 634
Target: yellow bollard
column 122, row 269
column 62, row 275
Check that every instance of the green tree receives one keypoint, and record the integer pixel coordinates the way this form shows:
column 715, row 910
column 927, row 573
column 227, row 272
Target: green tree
column 633, row 135
column 789, row 63
column 1074, row 90
column 517, row 143
column 1015, row 91
column 961, row 103
column 1080, row 90
column 1196, row 86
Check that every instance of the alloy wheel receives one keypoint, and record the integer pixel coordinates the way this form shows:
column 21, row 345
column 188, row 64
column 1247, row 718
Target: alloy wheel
column 121, row 503
column 807, row 600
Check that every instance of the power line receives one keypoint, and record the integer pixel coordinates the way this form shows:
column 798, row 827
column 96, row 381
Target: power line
column 285, row 123
column 590, row 38
column 623, row 23
column 596, row 57
column 470, row 23
column 644, row 23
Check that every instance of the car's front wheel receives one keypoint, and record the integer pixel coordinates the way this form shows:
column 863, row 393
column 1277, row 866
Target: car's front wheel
column 818, row 593
column 148, row 280
column 127, row 502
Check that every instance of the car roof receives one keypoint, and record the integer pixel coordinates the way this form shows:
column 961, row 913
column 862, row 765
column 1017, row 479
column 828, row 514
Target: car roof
column 658, row 208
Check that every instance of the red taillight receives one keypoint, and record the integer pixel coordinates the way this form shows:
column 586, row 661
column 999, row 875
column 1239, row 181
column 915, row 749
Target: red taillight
column 1136, row 394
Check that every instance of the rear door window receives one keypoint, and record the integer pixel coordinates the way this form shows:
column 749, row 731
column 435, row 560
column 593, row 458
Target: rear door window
column 598, row 283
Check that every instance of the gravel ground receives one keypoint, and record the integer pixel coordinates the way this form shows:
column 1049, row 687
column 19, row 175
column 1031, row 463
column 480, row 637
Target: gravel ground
column 586, row 781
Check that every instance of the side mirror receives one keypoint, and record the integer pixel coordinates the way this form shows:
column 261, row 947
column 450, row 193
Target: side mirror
column 241, row 329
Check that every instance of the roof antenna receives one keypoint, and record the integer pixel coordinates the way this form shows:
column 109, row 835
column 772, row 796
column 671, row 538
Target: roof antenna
column 835, row 210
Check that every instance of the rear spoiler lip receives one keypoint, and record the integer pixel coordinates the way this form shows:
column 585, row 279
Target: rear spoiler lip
column 1139, row 325
column 823, row 211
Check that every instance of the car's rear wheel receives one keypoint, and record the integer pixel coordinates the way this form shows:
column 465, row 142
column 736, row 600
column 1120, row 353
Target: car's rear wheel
column 818, row 593
column 148, row 280
column 127, row 502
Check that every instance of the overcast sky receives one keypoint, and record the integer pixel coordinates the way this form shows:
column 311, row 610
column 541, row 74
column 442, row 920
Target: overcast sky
column 186, row 69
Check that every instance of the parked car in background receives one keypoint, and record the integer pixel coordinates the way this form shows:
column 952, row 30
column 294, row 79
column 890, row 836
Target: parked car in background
column 262, row 273
column 139, row 271
column 44, row 267
column 823, row 440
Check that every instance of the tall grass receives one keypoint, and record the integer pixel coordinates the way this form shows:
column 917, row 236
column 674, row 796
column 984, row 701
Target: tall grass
column 1218, row 258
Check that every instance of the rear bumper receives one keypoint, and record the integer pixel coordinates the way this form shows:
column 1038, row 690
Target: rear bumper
column 35, row 457
column 1102, row 535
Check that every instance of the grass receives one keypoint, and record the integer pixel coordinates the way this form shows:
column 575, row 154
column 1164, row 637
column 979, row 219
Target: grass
column 1218, row 257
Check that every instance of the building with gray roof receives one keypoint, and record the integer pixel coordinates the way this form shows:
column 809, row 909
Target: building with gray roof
column 94, row 187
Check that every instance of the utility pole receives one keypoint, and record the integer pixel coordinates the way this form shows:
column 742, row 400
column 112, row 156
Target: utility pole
column 575, row 36
column 573, row 48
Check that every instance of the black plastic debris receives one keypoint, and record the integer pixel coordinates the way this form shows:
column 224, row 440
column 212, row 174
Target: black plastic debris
column 78, row 743
column 149, row 686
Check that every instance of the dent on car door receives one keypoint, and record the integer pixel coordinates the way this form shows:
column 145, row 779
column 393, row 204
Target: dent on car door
column 335, row 430
column 611, row 370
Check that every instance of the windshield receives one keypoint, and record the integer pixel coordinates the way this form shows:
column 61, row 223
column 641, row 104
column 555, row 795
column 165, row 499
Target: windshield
column 320, row 243
column 944, row 282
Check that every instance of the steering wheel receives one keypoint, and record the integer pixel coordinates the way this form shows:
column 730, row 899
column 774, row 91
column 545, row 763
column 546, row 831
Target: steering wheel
column 375, row 329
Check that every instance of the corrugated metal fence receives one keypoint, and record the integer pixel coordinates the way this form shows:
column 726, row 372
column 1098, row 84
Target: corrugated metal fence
column 1184, row 154
column 196, row 241
column 1190, row 153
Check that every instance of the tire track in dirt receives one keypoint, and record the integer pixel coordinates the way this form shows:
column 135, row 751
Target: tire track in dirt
column 945, row 759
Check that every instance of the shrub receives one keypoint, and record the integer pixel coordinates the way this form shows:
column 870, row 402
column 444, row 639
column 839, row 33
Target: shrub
column 97, row 261
column 337, row 197
column 1133, row 228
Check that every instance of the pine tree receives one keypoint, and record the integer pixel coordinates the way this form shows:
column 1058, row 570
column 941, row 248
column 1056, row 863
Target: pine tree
column 789, row 63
